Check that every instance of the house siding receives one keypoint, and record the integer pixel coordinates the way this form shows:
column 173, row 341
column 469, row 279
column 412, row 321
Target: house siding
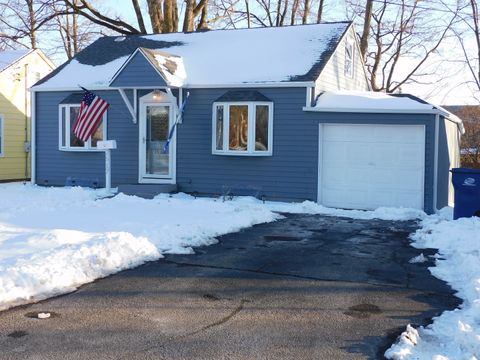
column 55, row 166
column 332, row 77
column 448, row 158
column 290, row 174
column 138, row 72
column 15, row 161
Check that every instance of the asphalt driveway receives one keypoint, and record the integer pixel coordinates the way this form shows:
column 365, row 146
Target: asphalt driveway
column 306, row 287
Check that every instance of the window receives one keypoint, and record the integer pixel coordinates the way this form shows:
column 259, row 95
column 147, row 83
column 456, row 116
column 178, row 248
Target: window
column 242, row 128
column 67, row 139
column 349, row 58
column 2, row 137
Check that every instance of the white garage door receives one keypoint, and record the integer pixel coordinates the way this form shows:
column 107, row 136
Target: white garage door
column 368, row 166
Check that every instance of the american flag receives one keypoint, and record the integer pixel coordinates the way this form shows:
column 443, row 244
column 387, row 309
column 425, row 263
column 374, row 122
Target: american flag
column 90, row 115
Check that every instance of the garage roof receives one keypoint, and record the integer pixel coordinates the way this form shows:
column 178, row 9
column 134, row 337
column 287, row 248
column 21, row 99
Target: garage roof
column 378, row 102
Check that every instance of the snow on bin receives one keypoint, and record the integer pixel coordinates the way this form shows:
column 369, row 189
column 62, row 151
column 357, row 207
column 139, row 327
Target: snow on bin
column 466, row 183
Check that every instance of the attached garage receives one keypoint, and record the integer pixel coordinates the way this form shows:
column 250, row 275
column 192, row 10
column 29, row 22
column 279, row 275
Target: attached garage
column 379, row 150
column 367, row 166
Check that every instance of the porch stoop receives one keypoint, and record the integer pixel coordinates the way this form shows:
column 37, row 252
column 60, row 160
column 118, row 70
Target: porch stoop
column 147, row 191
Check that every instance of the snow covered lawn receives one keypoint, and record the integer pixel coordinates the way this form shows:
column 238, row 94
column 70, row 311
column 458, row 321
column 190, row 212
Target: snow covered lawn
column 454, row 334
column 54, row 239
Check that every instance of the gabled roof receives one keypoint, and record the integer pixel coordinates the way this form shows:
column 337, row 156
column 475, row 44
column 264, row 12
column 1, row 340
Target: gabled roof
column 169, row 66
column 211, row 58
column 10, row 57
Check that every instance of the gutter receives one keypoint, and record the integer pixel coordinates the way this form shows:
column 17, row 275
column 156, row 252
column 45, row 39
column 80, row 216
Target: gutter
column 280, row 84
column 376, row 111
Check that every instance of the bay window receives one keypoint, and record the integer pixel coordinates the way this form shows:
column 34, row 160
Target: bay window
column 242, row 128
column 67, row 140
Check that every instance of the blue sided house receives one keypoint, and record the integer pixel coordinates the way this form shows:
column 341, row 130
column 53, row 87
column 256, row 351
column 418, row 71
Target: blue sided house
column 279, row 113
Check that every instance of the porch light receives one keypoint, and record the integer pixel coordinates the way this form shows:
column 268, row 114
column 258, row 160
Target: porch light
column 156, row 94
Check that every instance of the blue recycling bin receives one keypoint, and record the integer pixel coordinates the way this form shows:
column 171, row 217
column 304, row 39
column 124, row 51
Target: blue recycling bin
column 466, row 183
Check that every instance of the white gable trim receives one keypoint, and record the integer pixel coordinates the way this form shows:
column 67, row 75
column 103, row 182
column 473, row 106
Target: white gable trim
column 138, row 50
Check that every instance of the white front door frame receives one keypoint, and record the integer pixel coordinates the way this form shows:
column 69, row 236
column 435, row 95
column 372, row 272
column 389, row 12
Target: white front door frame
column 143, row 178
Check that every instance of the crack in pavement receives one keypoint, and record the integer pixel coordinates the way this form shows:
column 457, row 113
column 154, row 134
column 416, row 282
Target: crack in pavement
column 258, row 271
column 219, row 322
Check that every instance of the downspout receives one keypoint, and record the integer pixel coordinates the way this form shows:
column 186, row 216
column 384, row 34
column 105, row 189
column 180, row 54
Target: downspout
column 33, row 155
column 26, row 120
column 435, row 163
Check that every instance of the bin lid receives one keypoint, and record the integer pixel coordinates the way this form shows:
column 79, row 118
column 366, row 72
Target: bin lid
column 465, row 171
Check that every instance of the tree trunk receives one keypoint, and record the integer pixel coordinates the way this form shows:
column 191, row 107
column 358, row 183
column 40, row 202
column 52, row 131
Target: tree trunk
column 320, row 11
column 138, row 12
column 294, row 11
column 366, row 30
column 203, row 24
column 33, row 23
column 156, row 16
column 248, row 14
column 188, row 19
column 306, row 11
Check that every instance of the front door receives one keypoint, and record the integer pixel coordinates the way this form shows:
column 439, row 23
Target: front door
column 156, row 161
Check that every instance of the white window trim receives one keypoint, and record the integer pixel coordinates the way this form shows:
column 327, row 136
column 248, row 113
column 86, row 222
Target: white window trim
column 67, row 146
column 251, row 129
column 2, row 136
column 351, row 74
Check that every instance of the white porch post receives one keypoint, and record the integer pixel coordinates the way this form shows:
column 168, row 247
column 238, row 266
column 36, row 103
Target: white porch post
column 108, row 170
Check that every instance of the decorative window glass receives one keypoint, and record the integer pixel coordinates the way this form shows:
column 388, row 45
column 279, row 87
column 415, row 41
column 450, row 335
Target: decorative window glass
column 242, row 128
column 66, row 138
column 349, row 58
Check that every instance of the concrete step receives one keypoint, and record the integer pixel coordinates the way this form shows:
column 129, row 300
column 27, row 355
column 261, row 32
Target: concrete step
column 147, row 191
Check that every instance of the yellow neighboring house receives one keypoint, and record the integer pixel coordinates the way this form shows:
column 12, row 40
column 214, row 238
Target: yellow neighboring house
column 19, row 69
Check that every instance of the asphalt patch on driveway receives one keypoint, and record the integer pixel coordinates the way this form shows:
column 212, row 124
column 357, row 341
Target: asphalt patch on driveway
column 305, row 287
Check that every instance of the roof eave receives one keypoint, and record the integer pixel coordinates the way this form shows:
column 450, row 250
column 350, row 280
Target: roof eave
column 271, row 84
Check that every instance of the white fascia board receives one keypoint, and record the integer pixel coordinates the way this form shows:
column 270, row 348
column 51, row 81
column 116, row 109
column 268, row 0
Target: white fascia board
column 76, row 88
column 282, row 84
column 377, row 111
column 124, row 65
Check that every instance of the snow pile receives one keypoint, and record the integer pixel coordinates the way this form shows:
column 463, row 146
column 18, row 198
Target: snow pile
column 382, row 213
column 454, row 334
column 54, row 239
column 418, row 259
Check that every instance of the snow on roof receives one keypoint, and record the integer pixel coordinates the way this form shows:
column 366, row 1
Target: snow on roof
column 369, row 100
column 378, row 102
column 9, row 57
column 220, row 57
column 170, row 66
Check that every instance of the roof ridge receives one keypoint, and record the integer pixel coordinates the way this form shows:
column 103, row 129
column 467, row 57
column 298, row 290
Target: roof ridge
column 237, row 29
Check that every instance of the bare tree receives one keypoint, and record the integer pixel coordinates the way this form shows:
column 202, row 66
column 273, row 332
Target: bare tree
column 75, row 33
column 366, row 29
column 470, row 147
column 469, row 29
column 402, row 36
column 21, row 20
